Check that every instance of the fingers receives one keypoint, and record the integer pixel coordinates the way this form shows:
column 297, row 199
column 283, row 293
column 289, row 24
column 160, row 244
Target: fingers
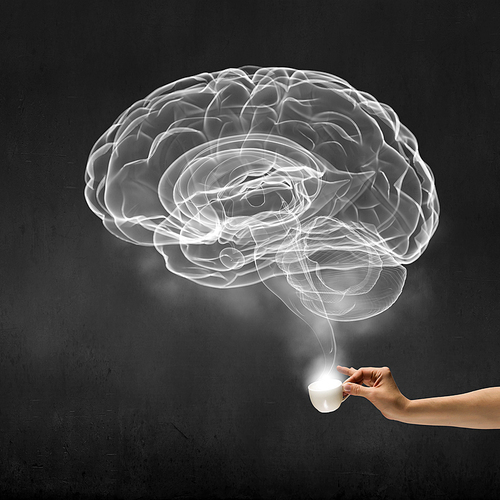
column 356, row 376
column 357, row 390
column 343, row 370
column 360, row 376
column 370, row 377
column 346, row 371
column 366, row 375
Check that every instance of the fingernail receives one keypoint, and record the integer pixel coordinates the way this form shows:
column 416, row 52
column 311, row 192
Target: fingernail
column 347, row 387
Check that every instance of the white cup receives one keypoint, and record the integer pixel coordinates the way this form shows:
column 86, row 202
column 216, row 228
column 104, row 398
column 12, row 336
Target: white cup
column 326, row 395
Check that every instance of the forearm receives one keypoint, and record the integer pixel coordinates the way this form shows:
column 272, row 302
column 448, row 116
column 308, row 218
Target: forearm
column 475, row 410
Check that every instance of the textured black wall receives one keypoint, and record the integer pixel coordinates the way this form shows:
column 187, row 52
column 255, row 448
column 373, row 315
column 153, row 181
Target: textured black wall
column 118, row 378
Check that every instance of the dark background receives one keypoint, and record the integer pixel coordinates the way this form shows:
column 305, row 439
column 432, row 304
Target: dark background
column 118, row 378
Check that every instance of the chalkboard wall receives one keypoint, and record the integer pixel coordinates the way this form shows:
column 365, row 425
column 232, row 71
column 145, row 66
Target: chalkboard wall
column 120, row 379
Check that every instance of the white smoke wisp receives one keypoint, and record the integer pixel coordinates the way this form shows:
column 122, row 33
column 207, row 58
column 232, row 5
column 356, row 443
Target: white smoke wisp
column 293, row 178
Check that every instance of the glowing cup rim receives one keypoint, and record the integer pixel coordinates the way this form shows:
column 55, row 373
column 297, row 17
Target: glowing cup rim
column 324, row 385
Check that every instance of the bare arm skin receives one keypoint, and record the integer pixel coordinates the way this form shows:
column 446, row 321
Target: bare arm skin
column 474, row 410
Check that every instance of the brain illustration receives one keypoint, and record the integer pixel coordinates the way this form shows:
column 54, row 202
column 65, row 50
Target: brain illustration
column 253, row 174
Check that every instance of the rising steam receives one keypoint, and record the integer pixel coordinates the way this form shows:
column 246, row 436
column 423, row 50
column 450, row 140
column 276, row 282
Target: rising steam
column 292, row 178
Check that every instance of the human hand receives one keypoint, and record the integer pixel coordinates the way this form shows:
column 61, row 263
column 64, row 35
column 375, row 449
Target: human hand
column 381, row 389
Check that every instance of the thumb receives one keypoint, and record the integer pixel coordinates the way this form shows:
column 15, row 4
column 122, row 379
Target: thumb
column 357, row 390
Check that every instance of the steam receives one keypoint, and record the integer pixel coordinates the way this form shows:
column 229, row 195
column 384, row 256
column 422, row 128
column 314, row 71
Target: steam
column 292, row 178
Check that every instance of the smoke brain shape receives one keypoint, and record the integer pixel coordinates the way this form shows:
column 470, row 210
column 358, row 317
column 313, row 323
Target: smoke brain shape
column 291, row 178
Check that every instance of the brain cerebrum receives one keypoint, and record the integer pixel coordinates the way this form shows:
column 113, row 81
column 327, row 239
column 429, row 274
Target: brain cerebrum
column 250, row 174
